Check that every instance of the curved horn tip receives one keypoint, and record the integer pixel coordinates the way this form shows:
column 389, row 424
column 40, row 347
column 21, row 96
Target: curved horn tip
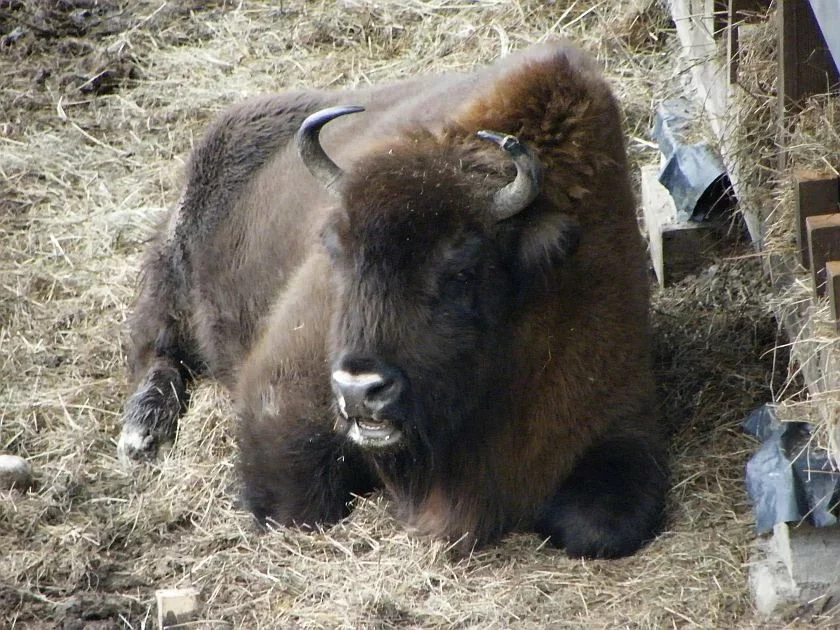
column 309, row 146
column 516, row 196
column 506, row 142
column 323, row 116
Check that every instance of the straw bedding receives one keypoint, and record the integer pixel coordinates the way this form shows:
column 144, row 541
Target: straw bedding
column 101, row 102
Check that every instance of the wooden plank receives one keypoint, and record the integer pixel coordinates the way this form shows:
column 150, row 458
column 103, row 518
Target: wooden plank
column 810, row 554
column 796, row 318
column 733, row 48
column 719, row 9
column 816, row 354
column 687, row 248
column 817, row 358
column 659, row 209
column 695, row 28
column 750, row 10
column 823, row 245
column 816, row 193
column 832, row 274
column 677, row 249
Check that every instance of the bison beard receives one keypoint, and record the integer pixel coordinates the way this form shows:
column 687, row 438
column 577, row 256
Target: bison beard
column 412, row 308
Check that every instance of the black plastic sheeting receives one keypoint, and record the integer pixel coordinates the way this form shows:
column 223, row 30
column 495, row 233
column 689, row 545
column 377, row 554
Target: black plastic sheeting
column 693, row 173
column 788, row 480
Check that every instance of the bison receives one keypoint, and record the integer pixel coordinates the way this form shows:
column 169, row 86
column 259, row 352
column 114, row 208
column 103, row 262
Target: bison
column 436, row 287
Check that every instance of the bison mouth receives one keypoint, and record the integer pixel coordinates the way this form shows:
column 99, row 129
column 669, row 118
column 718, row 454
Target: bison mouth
column 372, row 433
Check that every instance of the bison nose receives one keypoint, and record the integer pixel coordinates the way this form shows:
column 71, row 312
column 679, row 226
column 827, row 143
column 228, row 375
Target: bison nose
column 367, row 393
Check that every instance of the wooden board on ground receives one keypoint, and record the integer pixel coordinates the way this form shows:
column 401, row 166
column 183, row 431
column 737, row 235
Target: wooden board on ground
column 677, row 249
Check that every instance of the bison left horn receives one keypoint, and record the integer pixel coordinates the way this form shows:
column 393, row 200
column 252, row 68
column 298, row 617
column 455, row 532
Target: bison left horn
column 516, row 196
column 312, row 153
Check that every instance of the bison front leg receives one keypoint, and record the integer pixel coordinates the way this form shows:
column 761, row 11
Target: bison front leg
column 294, row 469
column 150, row 415
column 613, row 502
column 297, row 471
column 162, row 358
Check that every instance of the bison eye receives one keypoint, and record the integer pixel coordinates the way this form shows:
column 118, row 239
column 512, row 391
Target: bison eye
column 459, row 284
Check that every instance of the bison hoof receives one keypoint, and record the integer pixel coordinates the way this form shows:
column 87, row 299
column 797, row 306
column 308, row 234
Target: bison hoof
column 137, row 444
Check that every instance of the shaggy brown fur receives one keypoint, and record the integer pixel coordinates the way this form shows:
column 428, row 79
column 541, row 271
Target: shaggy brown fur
column 521, row 346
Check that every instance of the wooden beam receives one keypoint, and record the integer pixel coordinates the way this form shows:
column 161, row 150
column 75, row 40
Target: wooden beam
column 816, row 193
column 797, row 568
column 823, row 245
column 749, row 10
column 720, row 9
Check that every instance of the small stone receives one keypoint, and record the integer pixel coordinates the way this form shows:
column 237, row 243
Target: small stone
column 176, row 606
column 15, row 473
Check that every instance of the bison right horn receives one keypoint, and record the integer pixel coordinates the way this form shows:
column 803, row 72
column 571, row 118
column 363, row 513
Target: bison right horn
column 516, row 196
column 312, row 153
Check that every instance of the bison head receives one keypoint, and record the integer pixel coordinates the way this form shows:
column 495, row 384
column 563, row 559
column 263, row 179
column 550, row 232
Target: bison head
column 436, row 254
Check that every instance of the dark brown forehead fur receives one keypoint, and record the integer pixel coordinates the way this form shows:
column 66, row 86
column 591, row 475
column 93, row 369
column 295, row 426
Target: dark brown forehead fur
column 407, row 198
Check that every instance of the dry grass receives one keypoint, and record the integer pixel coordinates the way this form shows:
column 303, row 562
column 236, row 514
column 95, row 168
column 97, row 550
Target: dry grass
column 101, row 102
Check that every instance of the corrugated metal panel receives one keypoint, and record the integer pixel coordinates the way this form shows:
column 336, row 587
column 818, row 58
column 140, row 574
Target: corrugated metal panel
column 828, row 16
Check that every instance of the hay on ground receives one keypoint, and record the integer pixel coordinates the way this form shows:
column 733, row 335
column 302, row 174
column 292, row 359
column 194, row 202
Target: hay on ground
column 100, row 103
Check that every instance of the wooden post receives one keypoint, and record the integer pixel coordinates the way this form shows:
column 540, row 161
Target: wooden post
column 823, row 245
column 805, row 63
column 816, row 193
column 737, row 13
column 733, row 50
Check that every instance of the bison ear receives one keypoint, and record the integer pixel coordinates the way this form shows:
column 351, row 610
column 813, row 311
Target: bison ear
column 329, row 233
column 547, row 240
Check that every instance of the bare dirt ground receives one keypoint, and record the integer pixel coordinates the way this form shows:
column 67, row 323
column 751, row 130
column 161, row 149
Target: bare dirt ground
column 100, row 103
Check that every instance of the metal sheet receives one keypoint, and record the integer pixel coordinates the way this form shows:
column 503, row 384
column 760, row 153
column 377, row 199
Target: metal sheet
column 827, row 13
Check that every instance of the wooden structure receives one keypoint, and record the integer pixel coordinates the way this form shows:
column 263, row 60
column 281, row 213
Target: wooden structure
column 709, row 31
column 808, row 56
column 677, row 249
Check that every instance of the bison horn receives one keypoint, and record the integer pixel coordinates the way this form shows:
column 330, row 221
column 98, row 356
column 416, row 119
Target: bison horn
column 312, row 153
column 514, row 197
